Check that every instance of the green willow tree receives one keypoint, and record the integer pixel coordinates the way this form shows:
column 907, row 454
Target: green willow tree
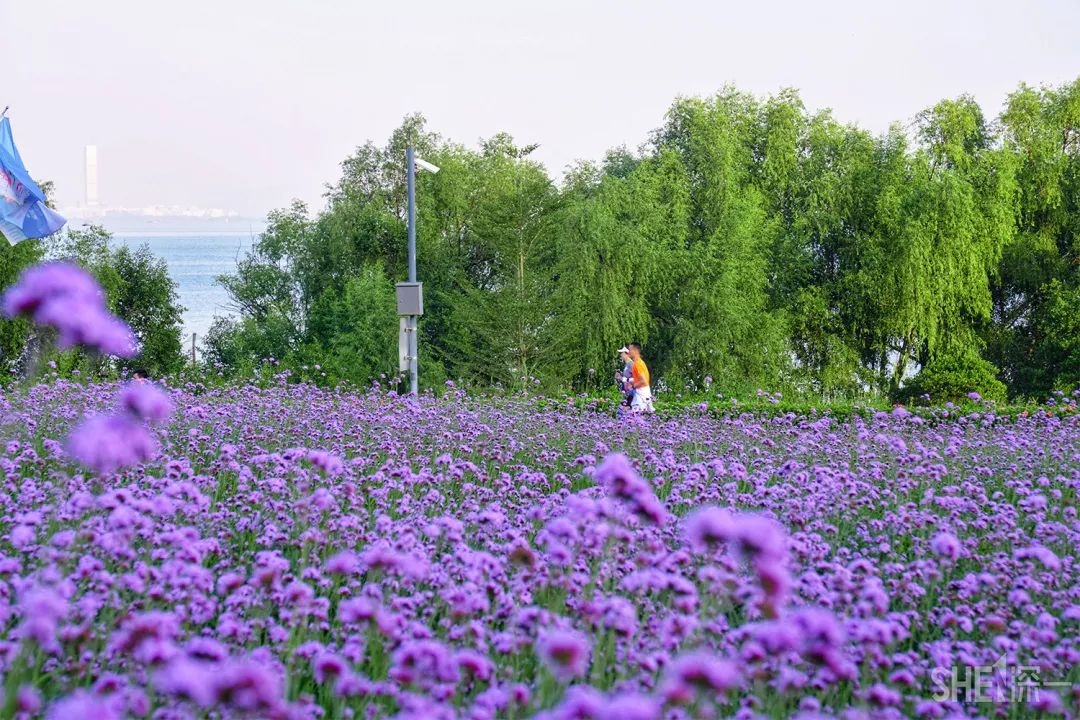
column 945, row 219
column 1037, row 293
column 824, row 270
column 720, row 322
column 501, row 301
column 749, row 241
column 613, row 269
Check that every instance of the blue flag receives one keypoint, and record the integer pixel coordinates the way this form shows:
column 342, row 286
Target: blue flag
column 23, row 213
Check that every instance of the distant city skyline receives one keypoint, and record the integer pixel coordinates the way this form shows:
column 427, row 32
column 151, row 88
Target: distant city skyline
column 91, row 207
column 84, row 212
column 248, row 104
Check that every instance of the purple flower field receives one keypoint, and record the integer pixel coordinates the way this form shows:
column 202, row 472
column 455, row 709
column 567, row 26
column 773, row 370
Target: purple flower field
column 290, row 552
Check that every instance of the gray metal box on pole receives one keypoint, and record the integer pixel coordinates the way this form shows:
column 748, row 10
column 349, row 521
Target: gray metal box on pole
column 410, row 298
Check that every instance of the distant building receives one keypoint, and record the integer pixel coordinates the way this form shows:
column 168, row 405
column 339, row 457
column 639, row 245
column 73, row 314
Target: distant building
column 152, row 217
column 91, row 176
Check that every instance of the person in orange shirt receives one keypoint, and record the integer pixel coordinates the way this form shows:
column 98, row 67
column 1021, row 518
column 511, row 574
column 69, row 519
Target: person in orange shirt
column 639, row 379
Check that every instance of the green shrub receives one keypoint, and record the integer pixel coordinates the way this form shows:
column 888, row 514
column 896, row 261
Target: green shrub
column 953, row 379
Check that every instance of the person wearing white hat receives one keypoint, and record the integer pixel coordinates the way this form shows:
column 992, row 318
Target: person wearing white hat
column 622, row 377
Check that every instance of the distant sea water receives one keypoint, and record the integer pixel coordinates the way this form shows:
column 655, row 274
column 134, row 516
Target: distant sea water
column 195, row 260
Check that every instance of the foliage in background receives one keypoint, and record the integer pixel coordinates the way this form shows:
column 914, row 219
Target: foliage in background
column 748, row 244
column 17, row 339
column 16, row 336
column 954, row 379
column 138, row 289
column 1033, row 337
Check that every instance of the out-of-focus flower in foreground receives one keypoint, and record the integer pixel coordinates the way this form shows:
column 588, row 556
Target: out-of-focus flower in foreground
column 67, row 298
column 146, row 402
column 106, row 443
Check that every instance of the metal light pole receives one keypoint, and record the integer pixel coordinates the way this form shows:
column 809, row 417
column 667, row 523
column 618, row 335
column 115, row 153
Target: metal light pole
column 410, row 184
column 410, row 294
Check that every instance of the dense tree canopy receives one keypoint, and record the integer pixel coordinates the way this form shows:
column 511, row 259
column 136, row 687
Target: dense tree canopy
column 749, row 243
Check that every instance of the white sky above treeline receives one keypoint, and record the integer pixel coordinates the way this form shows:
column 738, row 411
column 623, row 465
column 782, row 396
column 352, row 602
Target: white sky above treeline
column 246, row 104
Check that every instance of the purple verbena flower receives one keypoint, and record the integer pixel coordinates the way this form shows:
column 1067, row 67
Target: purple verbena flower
column 946, row 545
column 328, row 667
column 66, row 297
column 246, row 685
column 146, row 402
column 630, row 706
column 709, row 527
column 759, row 538
column 40, row 284
column 474, row 664
column 699, row 671
column 423, row 663
column 190, row 680
column 564, row 652
column 28, row 700
column 108, row 443
column 82, row 705
column 42, row 608
column 343, row 563
column 619, row 479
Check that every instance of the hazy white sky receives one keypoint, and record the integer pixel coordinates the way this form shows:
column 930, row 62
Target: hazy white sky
column 246, row 104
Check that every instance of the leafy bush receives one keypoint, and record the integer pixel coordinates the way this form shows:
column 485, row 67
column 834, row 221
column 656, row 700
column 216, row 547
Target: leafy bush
column 241, row 346
column 954, row 379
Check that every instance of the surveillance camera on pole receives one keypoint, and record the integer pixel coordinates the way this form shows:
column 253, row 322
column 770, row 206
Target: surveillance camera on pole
column 425, row 165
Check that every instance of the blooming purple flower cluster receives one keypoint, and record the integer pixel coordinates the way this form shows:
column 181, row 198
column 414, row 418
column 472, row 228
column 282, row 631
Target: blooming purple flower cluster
column 295, row 553
column 106, row 443
column 67, row 298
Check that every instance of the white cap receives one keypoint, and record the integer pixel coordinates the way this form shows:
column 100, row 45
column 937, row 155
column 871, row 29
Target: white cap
column 624, row 349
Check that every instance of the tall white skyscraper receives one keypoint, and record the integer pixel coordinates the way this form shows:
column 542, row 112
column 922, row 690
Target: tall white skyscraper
column 91, row 176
